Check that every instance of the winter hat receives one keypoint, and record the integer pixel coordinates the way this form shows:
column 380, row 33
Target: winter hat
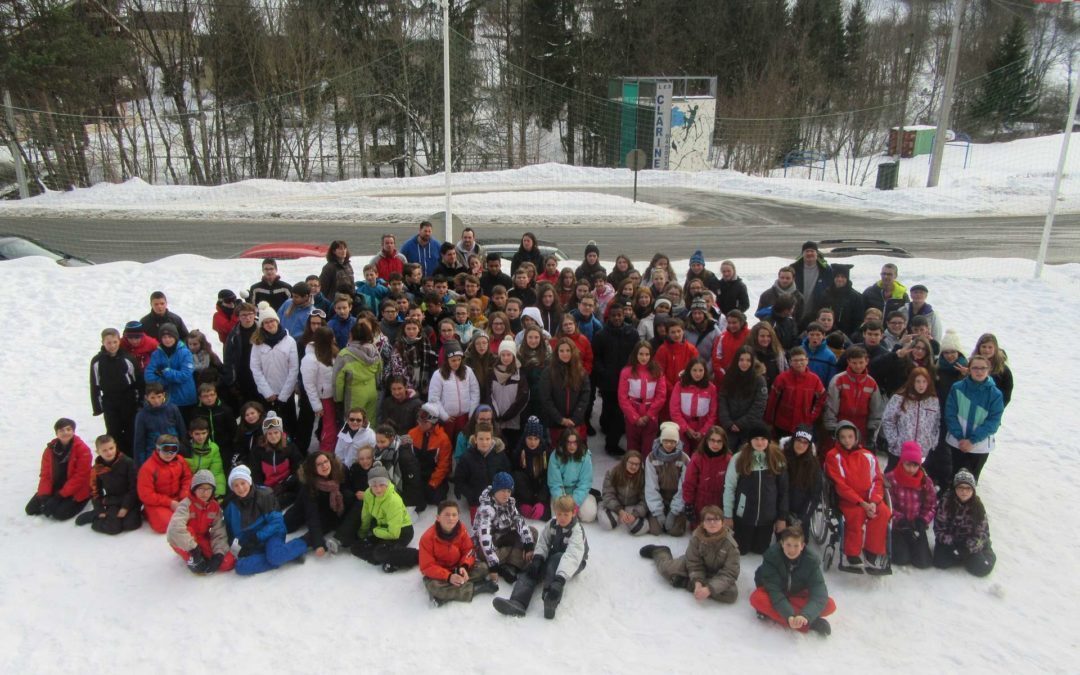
column 534, row 314
column 757, row 431
column 203, row 477
column 533, row 427
column 453, row 348
column 840, row 270
column 964, row 477
column 809, row 244
column 669, row 431
column 502, row 481
column 134, row 328
column 239, row 472
column 662, row 301
column 508, row 345
column 918, row 287
column 951, row 341
column 301, row 288
column 699, row 303
column 805, row 432
column 698, row 257
column 225, row 295
column 378, row 474
column 272, row 421
column 266, row 312
column 431, row 410
column 169, row 329
column 844, row 424
column 911, row 451
column 591, row 247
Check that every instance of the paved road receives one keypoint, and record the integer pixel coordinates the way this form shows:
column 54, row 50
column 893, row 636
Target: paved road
column 723, row 225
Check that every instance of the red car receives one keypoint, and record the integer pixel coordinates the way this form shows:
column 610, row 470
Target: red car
column 285, row 250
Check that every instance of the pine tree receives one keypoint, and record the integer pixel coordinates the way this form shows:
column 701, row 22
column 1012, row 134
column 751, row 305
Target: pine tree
column 1008, row 94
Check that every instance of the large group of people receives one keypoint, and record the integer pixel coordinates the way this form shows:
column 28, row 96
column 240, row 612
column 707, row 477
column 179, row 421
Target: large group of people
column 343, row 405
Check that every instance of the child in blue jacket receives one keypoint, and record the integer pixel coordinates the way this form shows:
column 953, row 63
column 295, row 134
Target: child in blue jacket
column 257, row 528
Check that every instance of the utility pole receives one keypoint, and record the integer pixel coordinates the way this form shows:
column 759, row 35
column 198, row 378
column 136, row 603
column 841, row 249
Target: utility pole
column 449, row 222
column 946, row 98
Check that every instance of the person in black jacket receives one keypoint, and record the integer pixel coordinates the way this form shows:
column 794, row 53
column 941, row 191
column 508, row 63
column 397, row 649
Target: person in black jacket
column 236, row 368
column 805, row 480
column 528, row 251
column 160, row 315
column 396, row 454
column 113, row 491
column 493, row 275
column 730, row 290
column 116, row 385
column 813, row 276
column 323, row 502
column 845, row 301
column 222, row 421
column 484, row 458
column 612, row 349
column 272, row 288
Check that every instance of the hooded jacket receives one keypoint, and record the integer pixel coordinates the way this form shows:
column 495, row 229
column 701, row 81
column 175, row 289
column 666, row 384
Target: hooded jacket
column 759, row 498
column 356, row 376
column 384, row 517
column 175, row 371
column 454, row 396
column 494, row 521
column 973, row 412
column 664, row 474
column 623, row 498
column 276, row 369
column 713, row 560
column 161, row 483
column 856, row 475
column 195, row 519
column 476, row 470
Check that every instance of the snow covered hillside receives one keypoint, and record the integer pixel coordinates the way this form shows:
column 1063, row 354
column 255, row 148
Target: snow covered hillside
column 1002, row 179
column 70, row 598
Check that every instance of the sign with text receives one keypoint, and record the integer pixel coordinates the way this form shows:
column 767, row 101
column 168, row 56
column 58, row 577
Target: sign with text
column 662, row 125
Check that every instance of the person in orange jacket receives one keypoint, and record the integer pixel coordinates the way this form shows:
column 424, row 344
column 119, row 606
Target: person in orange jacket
column 163, row 483
column 433, row 451
column 448, row 560
column 64, row 481
column 860, row 490
column 797, row 396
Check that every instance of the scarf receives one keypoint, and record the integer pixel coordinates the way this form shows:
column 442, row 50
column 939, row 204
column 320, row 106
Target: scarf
column 271, row 339
column 783, row 291
column 906, row 480
column 333, row 488
column 502, row 376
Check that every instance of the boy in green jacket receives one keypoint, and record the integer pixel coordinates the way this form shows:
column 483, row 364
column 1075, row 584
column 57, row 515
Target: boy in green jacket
column 790, row 588
column 204, row 454
column 385, row 526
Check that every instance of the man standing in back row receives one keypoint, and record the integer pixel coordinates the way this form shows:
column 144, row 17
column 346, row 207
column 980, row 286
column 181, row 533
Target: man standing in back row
column 423, row 249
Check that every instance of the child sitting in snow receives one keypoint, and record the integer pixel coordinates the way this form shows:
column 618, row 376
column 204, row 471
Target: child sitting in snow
column 276, row 461
column 64, row 482
column 502, row 535
column 164, row 482
column 790, row 587
column 710, row 566
column 961, row 530
column 561, row 552
column 448, row 560
column 622, row 501
column 113, row 491
column 385, row 526
column 665, row 468
column 530, row 470
column 914, row 502
column 257, row 528
column 197, row 529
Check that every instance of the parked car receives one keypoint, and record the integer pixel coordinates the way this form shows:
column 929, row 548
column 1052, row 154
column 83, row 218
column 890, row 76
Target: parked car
column 506, row 248
column 285, row 250
column 13, row 246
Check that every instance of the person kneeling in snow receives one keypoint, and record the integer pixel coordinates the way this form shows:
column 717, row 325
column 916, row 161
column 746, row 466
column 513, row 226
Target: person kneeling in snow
column 710, row 567
column 961, row 529
column 448, row 560
column 790, row 588
column 257, row 528
column 561, row 553
column 385, row 526
column 914, row 500
column 163, row 483
column 197, row 529
column 64, row 484
column 502, row 534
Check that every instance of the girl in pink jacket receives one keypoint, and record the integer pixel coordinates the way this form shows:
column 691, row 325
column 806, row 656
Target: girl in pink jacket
column 914, row 502
column 642, row 395
column 693, row 403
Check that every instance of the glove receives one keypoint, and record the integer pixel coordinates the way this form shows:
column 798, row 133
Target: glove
column 197, row 562
column 535, row 568
column 214, row 564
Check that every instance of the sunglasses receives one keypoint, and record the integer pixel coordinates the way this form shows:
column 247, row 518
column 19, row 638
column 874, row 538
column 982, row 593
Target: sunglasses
column 356, row 420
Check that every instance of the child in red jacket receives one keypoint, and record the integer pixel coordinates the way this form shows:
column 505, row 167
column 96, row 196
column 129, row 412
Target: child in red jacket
column 675, row 353
column 703, row 484
column 914, row 501
column 197, row 529
column 797, row 396
column 163, row 482
column 853, row 395
column 860, row 489
column 64, row 481
column 448, row 561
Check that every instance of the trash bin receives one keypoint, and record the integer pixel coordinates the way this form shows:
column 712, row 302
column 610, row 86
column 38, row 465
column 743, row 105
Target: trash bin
column 888, row 174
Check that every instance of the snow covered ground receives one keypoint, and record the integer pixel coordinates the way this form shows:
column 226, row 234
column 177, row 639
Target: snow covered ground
column 1002, row 179
column 70, row 597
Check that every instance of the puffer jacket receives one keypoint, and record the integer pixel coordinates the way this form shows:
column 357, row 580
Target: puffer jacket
column 641, row 394
column 704, row 481
column 855, row 398
column 176, row 372
column 276, row 467
column 161, row 483
column 275, row 369
column 962, row 525
column 795, row 398
column 918, row 421
column 493, row 521
column 713, row 559
column 741, row 411
column 570, row 541
column 856, row 475
column 356, row 377
column 384, row 517
column 475, row 470
column 454, row 396
column 557, row 402
column 693, row 407
column 207, row 457
column 973, row 412
column 782, row 578
column 254, row 519
column 759, row 498
column 672, row 358
column 78, row 458
column 317, row 378
column 623, row 498
column 195, row 519
column 570, row 477
column 442, row 554
column 664, row 474
column 731, row 294
column 913, row 497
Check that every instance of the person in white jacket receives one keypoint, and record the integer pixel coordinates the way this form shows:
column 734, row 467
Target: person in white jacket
column 275, row 366
column 317, row 375
column 455, row 390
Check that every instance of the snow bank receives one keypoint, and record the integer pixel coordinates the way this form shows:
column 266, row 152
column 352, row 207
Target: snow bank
column 71, row 597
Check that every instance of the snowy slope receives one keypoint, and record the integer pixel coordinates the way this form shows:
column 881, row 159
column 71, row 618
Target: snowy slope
column 1002, row 179
column 69, row 597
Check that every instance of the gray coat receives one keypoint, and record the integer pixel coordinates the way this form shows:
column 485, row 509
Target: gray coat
column 713, row 560
column 627, row 498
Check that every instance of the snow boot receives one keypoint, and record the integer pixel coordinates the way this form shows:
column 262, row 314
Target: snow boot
column 821, row 627
column 518, row 602
column 485, row 586
column 332, row 545
column 851, row 563
column 679, row 581
column 508, row 572
column 508, row 607
column 649, row 550
column 877, row 565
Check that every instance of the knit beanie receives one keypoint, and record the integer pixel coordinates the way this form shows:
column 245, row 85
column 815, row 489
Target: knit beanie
column 203, row 477
column 805, row 432
column 810, row 244
column 169, row 329
column 502, row 481
column 453, row 348
column 134, row 328
column 266, row 312
column 378, row 474
column 911, row 451
column 533, row 427
column 591, row 247
column 698, row 257
column 239, row 472
column 951, row 341
column 669, row 431
column 662, row 301
column 757, row 431
column 508, row 345
column 964, row 477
